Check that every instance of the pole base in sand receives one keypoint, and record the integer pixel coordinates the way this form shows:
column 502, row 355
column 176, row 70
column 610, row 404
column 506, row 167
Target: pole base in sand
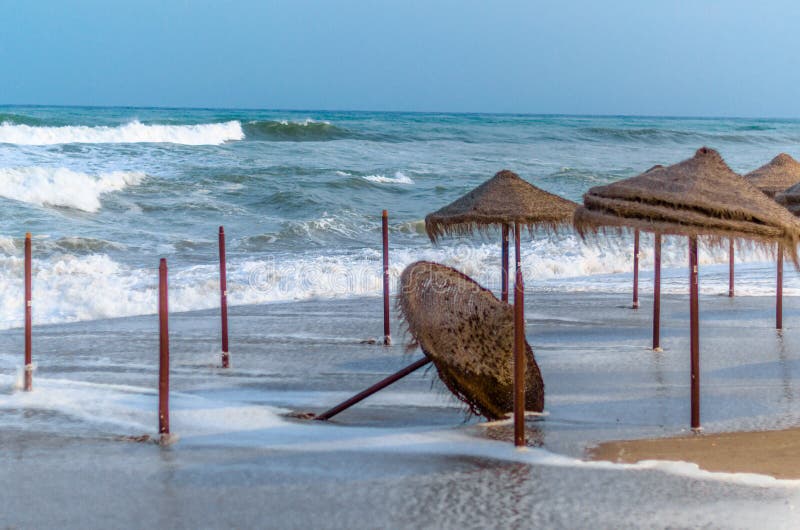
column 166, row 439
column 225, row 360
column 658, row 349
column 28, row 384
column 387, row 340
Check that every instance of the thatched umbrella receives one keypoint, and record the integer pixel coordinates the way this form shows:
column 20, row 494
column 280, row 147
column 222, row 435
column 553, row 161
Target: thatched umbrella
column 508, row 201
column 781, row 173
column 699, row 197
column 468, row 335
column 504, row 200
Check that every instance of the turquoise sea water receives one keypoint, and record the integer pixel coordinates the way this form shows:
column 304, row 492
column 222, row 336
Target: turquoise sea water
column 107, row 191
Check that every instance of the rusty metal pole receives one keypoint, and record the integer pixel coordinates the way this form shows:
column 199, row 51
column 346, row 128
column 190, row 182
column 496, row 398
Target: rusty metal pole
column 519, row 348
column 694, row 315
column 636, row 269
column 657, row 292
column 504, row 275
column 779, row 290
column 28, row 317
column 730, row 271
column 223, row 295
column 380, row 385
column 163, row 365
column 387, row 338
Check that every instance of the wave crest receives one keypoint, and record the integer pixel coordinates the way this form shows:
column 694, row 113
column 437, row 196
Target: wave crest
column 63, row 187
column 294, row 131
column 132, row 132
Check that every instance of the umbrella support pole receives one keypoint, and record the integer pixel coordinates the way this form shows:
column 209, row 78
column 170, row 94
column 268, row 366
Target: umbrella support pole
column 380, row 385
column 387, row 337
column 223, row 297
column 636, row 269
column 730, row 270
column 657, row 292
column 519, row 349
column 504, row 273
column 163, row 364
column 694, row 315
column 779, row 290
column 28, row 320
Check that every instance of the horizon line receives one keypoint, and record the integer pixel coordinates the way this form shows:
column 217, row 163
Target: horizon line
column 421, row 112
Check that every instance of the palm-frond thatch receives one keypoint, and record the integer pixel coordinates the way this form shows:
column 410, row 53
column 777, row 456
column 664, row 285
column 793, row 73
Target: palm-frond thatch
column 700, row 196
column 503, row 199
column 781, row 173
column 468, row 334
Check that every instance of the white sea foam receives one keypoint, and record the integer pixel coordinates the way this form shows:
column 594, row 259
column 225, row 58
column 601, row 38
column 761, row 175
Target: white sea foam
column 132, row 132
column 70, row 287
column 399, row 178
column 305, row 122
column 63, row 187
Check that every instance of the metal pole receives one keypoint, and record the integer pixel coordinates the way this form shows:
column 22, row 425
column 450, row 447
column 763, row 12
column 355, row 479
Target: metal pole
column 519, row 349
column 779, row 291
column 730, row 271
column 504, row 278
column 223, row 295
column 657, row 293
column 694, row 315
column 380, row 385
column 28, row 317
column 636, row 269
column 163, row 365
column 387, row 338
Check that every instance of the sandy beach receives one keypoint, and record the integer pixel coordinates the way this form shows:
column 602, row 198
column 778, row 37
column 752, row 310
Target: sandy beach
column 773, row 453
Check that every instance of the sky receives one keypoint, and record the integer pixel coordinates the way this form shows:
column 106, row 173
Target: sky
column 659, row 58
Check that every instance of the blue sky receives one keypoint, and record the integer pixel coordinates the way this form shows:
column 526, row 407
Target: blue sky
column 685, row 58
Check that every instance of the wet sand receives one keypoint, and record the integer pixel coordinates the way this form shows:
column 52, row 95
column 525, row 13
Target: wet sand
column 773, row 453
column 405, row 458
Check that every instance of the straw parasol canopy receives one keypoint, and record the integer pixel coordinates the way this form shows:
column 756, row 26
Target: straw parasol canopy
column 781, row 173
column 503, row 199
column 790, row 199
column 468, row 334
column 700, row 196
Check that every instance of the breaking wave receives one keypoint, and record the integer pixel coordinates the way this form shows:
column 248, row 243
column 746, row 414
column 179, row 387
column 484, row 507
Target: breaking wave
column 132, row 132
column 63, row 187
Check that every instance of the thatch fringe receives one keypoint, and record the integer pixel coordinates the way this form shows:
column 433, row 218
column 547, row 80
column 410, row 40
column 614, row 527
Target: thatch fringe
column 700, row 197
column 468, row 334
column 503, row 199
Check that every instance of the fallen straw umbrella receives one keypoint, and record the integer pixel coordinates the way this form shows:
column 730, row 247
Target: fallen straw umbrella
column 775, row 177
column 699, row 198
column 468, row 334
column 507, row 201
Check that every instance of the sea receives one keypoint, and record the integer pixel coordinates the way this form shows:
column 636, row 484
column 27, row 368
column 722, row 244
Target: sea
column 107, row 192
